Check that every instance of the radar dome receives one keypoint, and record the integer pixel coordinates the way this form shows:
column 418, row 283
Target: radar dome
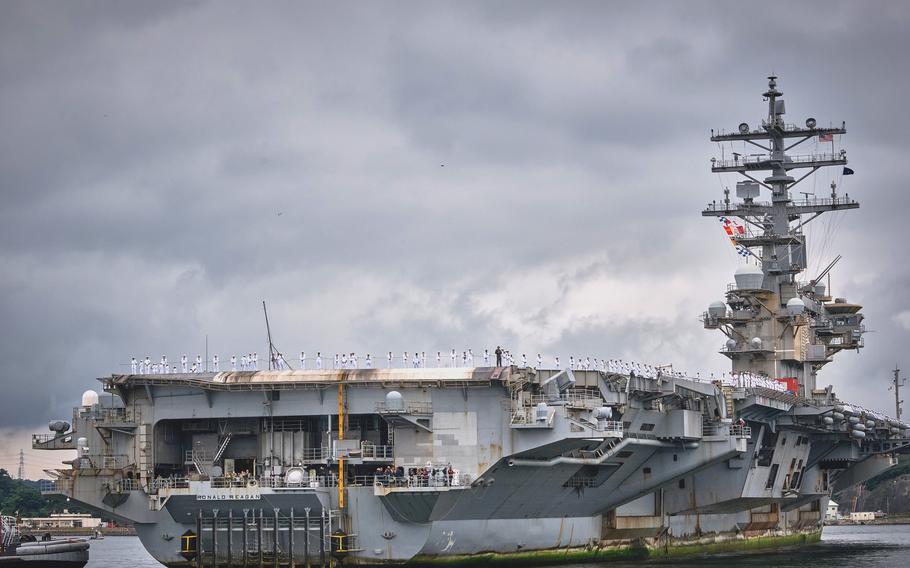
column 541, row 411
column 756, row 343
column 294, row 476
column 394, row 401
column 731, row 344
column 717, row 309
column 748, row 277
column 796, row 306
column 89, row 398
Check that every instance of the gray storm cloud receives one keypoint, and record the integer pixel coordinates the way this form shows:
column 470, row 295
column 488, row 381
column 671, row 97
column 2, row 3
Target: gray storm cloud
column 404, row 176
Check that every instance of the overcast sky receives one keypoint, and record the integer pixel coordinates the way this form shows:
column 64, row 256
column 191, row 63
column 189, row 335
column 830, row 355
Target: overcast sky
column 417, row 176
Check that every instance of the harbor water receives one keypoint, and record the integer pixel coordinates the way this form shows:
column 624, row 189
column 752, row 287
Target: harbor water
column 848, row 546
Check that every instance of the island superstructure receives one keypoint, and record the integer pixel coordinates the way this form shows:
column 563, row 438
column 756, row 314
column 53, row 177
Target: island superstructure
column 513, row 463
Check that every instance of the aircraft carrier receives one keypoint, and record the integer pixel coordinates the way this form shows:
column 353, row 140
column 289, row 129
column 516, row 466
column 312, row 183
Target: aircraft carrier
column 513, row 463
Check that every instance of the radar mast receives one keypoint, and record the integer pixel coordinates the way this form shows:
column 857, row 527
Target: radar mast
column 778, row 325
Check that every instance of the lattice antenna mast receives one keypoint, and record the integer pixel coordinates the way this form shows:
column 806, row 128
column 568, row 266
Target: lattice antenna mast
column 773, row 234
column 21, row 474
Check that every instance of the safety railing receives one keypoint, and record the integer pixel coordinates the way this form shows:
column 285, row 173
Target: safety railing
column 760, row 159
column 371, row 452
column 404, row 408
column 97, row 461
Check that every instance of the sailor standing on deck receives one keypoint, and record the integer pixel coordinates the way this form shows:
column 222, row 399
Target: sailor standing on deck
column 498, row 354
column 198, row 363
column 254, row 360
column 405, row 360
column 438, row 359
column 423, row 359
column 134, row 366
column 233, row 362
column 390, row 360
column 486, row 357
column 454, row 356
column 556, row 362
column 539, row 361
column 244, row 362
column 335, row 365
column 415, row 362
column 524, row 361
column 318, row 359
column 164, row 363
column 369, row 361
column 572, row 362
column 183, row 365
column 354, row 361
column 470, row 357
column 215, row 362
column 303, row 359
column 344, row 361
column 147, row 367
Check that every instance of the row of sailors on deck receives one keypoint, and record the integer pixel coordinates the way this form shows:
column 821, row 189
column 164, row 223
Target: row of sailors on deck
column 250, row 362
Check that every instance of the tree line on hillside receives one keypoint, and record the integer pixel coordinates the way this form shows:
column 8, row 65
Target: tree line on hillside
column 23, row 498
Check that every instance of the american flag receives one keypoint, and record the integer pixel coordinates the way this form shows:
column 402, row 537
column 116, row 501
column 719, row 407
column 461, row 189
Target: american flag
column 826, row 138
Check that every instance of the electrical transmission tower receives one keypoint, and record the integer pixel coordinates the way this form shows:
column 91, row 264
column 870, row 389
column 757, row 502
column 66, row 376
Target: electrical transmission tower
column 21, row 474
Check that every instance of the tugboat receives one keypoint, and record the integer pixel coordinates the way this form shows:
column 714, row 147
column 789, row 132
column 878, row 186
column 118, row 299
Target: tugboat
column 17, row 549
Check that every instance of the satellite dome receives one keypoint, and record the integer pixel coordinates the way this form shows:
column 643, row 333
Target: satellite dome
column 394, row 401
column 756, row 343
column 89, row 398
column 542, row 411
column 717, row 309
column 748, row 277
column 795, row 306
column 731, row 344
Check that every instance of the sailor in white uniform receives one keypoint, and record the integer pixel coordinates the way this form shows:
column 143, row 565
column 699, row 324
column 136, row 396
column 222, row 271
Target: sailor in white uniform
column 572, row 362
column 194, row 369
column 183, row 365
column 390, row 360
column 198, row 363
column 438, row 359
column 524, row 361
column 255, row 360
column 486, row 357
column 215, row 362
column 303, row 360
column 556, row 362
column 464, row 358
column 539, row 361
column 454, row 356
column 244, row 362
column 164, row 363
column 344, row 361
column 233, row 362
column 318, row 359
column 335, row 364
column 353, row 361
column 148, row 365
column 423, row 359
column 134, row 366
column 369, row 361
column 415, row 362
column 470, row 357
column 587, row 363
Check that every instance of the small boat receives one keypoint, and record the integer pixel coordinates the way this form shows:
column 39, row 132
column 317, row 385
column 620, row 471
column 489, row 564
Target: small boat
column 97, row 535
column 17, row 549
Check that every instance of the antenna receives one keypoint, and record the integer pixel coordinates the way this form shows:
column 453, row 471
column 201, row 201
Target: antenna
column 274, row 354
column 268, row 332
column 21, row 474
column 896, row 384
